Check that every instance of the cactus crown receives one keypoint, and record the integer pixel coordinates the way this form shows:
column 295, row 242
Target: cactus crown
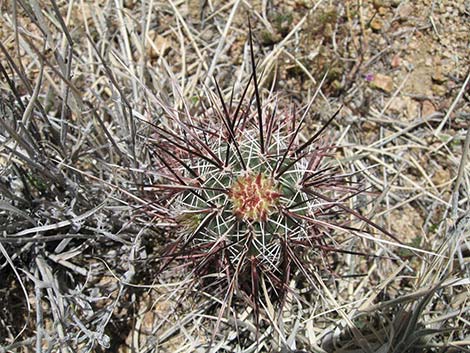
column 254, row 197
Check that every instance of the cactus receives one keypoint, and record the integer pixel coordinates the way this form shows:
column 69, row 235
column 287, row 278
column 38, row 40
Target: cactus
column 251, row 202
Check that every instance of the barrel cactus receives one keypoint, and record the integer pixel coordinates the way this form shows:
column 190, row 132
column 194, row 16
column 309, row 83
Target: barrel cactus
column 245, row 207
column 251, row 199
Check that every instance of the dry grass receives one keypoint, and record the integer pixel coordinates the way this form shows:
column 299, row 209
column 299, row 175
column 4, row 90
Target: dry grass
column 82, row 83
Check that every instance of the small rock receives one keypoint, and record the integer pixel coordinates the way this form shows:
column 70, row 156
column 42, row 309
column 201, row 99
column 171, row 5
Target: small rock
column 427, row 108
column 404, row 106
column 160, row 45
column 438, row 76
column 404, row 11
column 412, row 109
column 441, row 177
column 395, row 61
column 129, row 4
column 383, row 11
column 398, row 105
column 376, row 24
column 413, row 45
column 382, row 82
column 445, row 41
column 377, row 4
column 439, row 90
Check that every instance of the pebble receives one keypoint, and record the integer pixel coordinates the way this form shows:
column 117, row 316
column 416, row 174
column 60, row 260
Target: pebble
column 395, row 61
column 412, row 109
column 404, row 11
column 427, row 108
column 439, row 90
column 441, row 176
column 398, row 105
column 161, row 45
column 377, row 4
column 438, row 76
column 382, row 82
column 376, row 24
column 404, row 106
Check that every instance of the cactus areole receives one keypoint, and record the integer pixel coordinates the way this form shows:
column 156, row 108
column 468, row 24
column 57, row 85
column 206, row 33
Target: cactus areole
column 254, row 197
